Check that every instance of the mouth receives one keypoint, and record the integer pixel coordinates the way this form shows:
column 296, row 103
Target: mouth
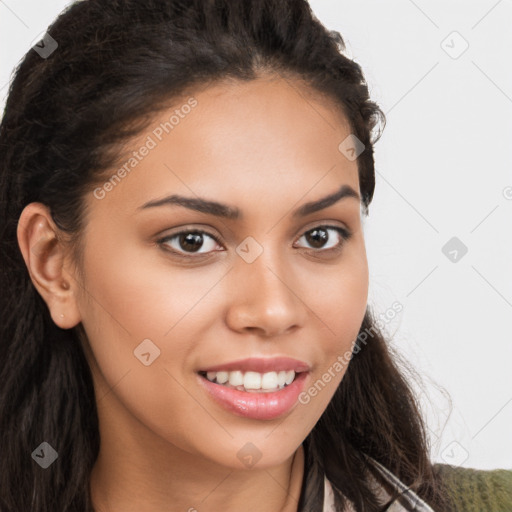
column 252, row 382
column 253, row 395
column 256, row 374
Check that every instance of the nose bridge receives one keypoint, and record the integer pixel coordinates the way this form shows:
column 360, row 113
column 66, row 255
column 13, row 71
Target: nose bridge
column 267, row 278
column 265, row 296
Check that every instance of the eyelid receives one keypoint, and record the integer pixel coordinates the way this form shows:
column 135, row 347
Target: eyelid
column 190, row 229
column 206, row 229
column 325, row 223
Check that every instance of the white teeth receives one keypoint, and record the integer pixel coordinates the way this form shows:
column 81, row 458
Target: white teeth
column 269, row 380
column 222, row 377
column 236, row 378
column 252, row 380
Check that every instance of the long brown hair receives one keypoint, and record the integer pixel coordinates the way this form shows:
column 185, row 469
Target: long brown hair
column 109, row 65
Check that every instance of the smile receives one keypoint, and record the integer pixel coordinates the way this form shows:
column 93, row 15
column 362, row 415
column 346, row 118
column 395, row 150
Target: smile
column 255, row 402
column 252, row 381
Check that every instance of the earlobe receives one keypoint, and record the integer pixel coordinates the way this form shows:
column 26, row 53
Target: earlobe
column 44, row 254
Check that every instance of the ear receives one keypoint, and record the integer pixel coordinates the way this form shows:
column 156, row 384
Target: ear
column 44, row 253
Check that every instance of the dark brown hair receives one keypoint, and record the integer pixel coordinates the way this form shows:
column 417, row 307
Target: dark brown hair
column 67, row 114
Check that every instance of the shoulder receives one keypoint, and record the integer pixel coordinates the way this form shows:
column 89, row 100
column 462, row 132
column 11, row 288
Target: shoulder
column 477, row 489
column 469, row 490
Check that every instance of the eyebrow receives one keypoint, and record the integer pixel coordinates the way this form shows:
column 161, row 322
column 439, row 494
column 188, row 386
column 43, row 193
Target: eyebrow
column 233, row 213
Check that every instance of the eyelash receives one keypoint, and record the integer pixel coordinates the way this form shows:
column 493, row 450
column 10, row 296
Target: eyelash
column 344, row 234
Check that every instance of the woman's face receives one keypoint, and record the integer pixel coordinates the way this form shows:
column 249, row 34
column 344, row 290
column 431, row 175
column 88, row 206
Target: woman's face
column 160, row 303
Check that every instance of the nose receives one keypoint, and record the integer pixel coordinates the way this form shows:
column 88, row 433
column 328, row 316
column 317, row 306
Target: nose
column 266, row 298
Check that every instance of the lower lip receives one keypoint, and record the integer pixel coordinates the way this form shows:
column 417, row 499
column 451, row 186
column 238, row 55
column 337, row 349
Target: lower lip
column 258, row 406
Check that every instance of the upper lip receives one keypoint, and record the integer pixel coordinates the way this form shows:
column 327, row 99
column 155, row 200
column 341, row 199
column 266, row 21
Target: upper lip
column 261, row 365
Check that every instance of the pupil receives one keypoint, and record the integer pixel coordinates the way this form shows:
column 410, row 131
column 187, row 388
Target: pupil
column 190, row 239
column 318, row 239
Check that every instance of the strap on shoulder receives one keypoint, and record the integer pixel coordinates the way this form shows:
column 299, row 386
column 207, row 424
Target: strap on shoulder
column 413, row 501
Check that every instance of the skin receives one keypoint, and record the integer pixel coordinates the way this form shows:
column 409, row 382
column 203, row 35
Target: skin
column 266, row 147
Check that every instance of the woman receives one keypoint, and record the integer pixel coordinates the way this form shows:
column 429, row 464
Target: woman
column 184, row 318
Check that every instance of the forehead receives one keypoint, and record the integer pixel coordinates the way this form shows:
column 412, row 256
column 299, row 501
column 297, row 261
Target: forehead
column 250, row 115
column 264, row 137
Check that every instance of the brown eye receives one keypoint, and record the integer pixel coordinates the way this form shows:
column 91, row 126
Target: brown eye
column 319, row 236
column 190, row 241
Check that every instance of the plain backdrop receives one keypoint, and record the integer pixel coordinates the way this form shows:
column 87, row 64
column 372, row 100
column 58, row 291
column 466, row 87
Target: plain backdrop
column 439, row 231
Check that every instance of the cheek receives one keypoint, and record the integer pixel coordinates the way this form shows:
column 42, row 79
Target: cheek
column 138, row 296
column 128, row 302
column 342, row 304
column 134, row 296
column 125, row 304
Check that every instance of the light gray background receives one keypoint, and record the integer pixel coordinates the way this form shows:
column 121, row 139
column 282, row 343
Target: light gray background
column 443, row 170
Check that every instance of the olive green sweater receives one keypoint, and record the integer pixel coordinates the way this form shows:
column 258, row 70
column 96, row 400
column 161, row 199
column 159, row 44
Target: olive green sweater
column 469, row 490
column 478, row 490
